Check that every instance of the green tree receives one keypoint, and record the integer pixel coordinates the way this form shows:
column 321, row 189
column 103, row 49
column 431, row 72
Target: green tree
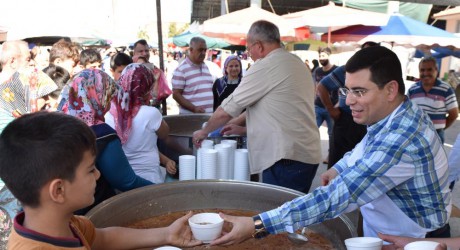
column 143, row 34
column 174, row 30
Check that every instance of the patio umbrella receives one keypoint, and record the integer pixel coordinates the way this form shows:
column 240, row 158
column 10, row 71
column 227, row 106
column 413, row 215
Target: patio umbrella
column 183, row 40
column 400, row 30
column 325, row 18
column 234, row 26
column 46, row 32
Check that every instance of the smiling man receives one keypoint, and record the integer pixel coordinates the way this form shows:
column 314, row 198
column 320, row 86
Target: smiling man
column 396, row 176
column 434, row 96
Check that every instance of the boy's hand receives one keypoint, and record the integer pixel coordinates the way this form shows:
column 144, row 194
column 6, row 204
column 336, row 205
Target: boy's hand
column 180, row 233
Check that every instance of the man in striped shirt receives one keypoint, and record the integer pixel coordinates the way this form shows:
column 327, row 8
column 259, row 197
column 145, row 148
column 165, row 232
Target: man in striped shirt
column 192, row 81
column 434, row 96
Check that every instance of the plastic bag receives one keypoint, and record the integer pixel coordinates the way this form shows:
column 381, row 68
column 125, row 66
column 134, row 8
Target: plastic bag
column 163, row 90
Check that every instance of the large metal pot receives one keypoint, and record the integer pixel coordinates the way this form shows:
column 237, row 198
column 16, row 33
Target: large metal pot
column 139, row 204
column 181, row 128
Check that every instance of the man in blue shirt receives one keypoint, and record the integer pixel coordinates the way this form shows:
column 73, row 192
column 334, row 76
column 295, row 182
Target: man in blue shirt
column 397, row 175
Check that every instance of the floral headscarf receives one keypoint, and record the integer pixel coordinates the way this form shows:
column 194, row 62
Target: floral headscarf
column 89, row 96
column 136, row 84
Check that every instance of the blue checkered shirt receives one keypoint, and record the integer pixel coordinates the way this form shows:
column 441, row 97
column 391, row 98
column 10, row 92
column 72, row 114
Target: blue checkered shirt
column 398, row 160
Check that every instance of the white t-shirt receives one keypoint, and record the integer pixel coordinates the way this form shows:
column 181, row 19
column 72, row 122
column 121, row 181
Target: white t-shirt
column 141, row 148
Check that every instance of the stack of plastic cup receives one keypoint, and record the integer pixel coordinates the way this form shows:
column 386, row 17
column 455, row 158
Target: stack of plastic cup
column 231, row 160
column 209, row 164
column 223, row 162
column 205, row 144
column 241, row 165
column 187, row 167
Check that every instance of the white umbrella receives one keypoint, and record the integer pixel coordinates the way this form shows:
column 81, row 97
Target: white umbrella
column 234, row 26
column 332, row 16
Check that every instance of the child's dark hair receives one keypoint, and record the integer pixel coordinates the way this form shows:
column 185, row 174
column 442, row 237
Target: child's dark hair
column 88, row 56
column 120, row 59
column 39, row 147
column 59, row 75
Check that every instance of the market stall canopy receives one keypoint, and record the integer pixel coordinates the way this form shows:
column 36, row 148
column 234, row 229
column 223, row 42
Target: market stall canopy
column 323, row 19
column 183, row 40
column 48, row 33
column 234, row 26
column 400, row 30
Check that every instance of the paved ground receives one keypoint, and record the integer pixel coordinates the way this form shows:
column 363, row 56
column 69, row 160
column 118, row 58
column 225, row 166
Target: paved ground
column 450, row 136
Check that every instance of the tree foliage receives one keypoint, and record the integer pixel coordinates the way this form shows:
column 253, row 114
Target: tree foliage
column 174, row 30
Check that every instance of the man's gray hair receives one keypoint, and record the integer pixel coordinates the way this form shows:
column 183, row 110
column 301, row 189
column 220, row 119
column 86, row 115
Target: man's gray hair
column 429, row 59
column 196, row 39
column 13, row 49
column 264, row 31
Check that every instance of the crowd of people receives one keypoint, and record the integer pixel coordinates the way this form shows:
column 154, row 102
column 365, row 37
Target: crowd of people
column 74, row 135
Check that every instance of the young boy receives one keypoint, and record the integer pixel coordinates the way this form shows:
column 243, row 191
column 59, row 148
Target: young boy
column 90, row 59
column 67, row 55
column 47, row 161
column 118, row 63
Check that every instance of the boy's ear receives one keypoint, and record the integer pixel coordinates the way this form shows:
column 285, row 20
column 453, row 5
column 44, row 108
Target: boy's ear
column 56, row 191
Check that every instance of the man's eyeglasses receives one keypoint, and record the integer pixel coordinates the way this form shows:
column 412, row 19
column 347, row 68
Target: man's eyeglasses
column 355, row 92
column 250, row 46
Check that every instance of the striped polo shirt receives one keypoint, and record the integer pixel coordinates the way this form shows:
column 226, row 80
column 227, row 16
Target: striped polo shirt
column 436, row 102
column 196, row 82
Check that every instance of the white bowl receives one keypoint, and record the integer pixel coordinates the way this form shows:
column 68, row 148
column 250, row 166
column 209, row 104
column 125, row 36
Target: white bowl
column 206, row 226
column 364, row 243
column 167, row 248
column 421, row 245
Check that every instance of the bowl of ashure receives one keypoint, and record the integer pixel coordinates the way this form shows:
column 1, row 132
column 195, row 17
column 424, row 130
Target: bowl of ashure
column 421, row 245
column 364, row 243
column 206, row 226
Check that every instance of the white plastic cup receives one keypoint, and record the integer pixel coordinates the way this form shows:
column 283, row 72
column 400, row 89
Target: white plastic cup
column 204, row 144
column 364, row 243
column 187, row 167
column 223, row 162
column 241, row 167
column 421, row 245
column 231, row 160
column 209, row 164
column 206, row 226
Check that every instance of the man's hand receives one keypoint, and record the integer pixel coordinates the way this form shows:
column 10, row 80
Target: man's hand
column 334, row 113
column 399, row 242
column 243, row 228
column 198, row 137
column 328, row 176
column 232, row 129
column 198, row 110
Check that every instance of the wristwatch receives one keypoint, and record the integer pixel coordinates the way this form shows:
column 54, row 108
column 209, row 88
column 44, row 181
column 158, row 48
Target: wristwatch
column 260, row 230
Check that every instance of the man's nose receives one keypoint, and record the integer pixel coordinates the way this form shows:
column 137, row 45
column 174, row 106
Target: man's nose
column 350, row 99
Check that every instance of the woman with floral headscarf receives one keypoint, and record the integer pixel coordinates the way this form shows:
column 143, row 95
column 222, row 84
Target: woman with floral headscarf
column 139, row 125
column 225, row 85
column 89, row 96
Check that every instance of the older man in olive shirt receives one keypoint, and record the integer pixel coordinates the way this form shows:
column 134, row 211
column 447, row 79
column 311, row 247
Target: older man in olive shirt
column 277, row 93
